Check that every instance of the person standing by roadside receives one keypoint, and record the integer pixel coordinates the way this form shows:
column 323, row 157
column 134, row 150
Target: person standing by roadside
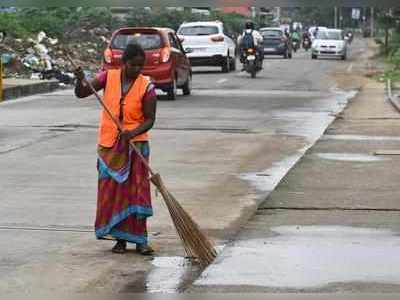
column 124, row 200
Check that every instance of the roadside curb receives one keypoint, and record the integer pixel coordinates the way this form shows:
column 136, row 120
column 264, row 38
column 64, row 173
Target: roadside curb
column 23, row 90
column 393, row 100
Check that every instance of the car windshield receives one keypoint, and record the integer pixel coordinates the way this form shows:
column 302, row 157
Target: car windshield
column 147, row 40
column 329, row 35
column 271, row 33
column 198, row 30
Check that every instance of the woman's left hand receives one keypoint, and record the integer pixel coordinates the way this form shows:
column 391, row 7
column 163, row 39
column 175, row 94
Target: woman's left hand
column 126, row 135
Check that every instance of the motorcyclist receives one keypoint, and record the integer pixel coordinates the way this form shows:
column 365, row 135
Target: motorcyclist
column 296, row 35
column 306, row 37
column 296, row 38
column 257, row 40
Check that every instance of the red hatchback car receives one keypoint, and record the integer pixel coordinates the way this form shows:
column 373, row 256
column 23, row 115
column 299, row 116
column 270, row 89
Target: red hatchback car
column 166, row 62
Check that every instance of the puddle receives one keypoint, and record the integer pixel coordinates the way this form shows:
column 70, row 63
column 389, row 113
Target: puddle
column 172, row 274
column 309, row 257
column 355, row 157
column 350, row 137
column 311, row 123
column 308, row 124
column 267, row 180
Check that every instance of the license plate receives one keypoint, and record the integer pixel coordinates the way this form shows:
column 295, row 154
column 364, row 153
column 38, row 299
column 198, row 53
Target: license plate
column 251, row 57
column 269, row 49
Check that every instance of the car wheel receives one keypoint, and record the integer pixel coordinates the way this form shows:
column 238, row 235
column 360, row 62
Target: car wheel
column 172, row 91
column 344, row 57
column 290, row 55
column 233, row 63
column 313, row 56
column 253, row 73
column 187, row 87
column 225, row 65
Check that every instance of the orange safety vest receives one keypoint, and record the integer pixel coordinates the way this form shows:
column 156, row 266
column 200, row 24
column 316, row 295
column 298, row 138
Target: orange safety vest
column 133, row 115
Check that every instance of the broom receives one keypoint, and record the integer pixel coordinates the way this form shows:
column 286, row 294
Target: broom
column 195, row 243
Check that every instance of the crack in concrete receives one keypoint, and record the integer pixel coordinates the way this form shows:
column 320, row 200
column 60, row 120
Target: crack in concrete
column 26, row 145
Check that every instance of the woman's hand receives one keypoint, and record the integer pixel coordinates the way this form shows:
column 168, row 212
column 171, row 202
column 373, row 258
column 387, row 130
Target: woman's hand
column 126, row 135
column 79, row 74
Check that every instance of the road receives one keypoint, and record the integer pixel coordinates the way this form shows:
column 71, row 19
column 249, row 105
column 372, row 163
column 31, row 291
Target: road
column 221, row 151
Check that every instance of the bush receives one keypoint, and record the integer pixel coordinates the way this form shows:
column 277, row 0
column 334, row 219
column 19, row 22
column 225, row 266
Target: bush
column 57, row 21
column 395, row 59
column 54, row 21
column 9, row 23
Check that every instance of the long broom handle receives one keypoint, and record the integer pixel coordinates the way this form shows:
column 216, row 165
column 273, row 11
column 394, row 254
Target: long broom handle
column 115, row 120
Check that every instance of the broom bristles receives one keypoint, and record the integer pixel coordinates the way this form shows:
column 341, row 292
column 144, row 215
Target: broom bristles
column 196, row 244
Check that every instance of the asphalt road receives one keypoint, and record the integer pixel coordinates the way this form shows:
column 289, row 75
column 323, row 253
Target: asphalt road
column 220, row 152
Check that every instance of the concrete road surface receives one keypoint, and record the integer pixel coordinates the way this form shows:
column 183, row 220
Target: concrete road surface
column 220, row 152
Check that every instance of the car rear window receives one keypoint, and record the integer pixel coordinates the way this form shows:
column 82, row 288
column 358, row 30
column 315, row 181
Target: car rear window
column 148, row 41
column 329, row 35
column 271, row 33
column 198, row 30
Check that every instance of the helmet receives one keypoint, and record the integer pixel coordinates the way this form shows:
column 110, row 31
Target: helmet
column 249, row 25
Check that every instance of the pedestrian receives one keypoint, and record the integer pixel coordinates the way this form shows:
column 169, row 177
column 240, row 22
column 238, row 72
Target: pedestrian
column 124, row 200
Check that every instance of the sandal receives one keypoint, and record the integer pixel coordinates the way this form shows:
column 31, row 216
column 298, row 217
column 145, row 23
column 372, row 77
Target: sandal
column 144, row 249
column 120, row 247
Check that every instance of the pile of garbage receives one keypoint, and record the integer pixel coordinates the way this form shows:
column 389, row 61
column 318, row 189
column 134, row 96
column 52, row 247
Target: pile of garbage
column 44, row 57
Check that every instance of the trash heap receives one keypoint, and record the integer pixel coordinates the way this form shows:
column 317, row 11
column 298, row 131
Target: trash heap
column 44, row 57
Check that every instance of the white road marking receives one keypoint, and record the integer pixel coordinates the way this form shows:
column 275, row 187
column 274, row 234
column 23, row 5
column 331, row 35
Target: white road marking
column 222, row 80
column 350, row 68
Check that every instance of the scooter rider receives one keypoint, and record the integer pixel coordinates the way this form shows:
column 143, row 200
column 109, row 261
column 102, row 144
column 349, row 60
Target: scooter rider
column 306, row 38
column 257, row 40
column 296, row 36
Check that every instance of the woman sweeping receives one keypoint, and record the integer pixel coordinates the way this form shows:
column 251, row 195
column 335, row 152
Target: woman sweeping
column 124, row 201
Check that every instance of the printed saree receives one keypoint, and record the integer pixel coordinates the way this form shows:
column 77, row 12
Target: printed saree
column 124, row 200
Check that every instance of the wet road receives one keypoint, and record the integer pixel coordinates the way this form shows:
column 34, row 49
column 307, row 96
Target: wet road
column 220, row 151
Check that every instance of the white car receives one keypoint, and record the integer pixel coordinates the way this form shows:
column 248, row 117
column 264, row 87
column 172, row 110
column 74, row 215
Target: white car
column 206, row 44
column 329, row 43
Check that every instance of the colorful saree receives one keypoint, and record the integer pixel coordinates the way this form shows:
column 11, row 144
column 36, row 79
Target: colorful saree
column 124, row 200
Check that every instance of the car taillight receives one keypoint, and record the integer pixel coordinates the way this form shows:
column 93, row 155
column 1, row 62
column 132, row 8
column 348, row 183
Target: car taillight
column 108, row 56
column 218, row 38
column 250, row 50
column 165, row 54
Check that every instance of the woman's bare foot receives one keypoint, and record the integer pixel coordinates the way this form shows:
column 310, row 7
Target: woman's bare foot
column 144, row 249
column 120, row 247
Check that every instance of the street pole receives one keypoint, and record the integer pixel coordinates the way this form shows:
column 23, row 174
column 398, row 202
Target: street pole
column 335, row 18
column 372, row 22
column 340, row 17
column 278, row 13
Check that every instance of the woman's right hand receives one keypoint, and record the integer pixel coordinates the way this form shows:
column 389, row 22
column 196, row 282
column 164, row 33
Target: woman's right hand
column 80, row 75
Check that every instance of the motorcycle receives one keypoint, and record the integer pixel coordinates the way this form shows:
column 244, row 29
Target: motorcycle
column 306, row 44
column 295, row 45
column 251, row 62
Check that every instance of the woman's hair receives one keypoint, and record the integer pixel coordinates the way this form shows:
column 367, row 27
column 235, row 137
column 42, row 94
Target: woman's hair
column 132, row 50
